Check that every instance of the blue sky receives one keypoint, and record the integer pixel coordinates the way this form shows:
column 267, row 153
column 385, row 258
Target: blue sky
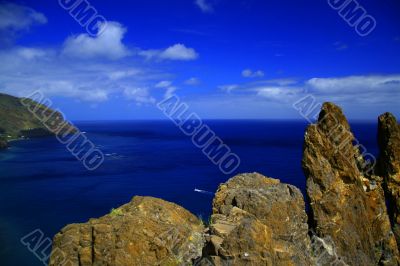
column 224, row 58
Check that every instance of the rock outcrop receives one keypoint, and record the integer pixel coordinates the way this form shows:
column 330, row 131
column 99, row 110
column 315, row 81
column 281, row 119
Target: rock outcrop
column 389, row 166
column 346, row 206
column 258, row 221
column 146, row 231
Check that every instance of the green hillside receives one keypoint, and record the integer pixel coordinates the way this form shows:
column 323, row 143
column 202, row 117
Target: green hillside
column 17, row 121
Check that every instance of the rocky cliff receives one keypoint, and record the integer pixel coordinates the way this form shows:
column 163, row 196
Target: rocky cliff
column 345, row 204
column 389, row 166
column 258, row 220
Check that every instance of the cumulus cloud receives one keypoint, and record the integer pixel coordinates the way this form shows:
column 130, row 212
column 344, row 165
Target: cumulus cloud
column 248, row 73
column 179, row 52
column 108, row 44
column 24, row 70
column 174, row 52
column 17, row 17
column 204, row 6
column 85, row 68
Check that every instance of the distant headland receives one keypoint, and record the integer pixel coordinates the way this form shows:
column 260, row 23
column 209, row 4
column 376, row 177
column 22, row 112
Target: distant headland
column 17, row 121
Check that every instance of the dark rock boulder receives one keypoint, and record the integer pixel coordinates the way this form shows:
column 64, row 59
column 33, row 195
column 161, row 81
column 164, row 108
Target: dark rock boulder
column 347, row 206
column 146, row 231
column 389, row 166
column 258, row 221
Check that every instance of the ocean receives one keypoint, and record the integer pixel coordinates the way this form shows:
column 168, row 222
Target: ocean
column 42, row 186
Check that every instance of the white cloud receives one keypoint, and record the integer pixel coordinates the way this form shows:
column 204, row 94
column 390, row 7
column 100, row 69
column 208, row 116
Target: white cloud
column 279, row 94
column 170, row 91
column 106, row 45
column 355, row 85
column 122, row 74
column 255, row 86
column 18, row 17
column 167, row 85
column 109, row 45
column 192, row 81
column 248, row 73
column 368, row 89
column 229, row 88
column 140, row 95
column 179, row 52
column 163, row 84
column 24, row 70
column 30, row 53
column 204, row 6
column 174, row 52
column 275, row 90
column 81, row 69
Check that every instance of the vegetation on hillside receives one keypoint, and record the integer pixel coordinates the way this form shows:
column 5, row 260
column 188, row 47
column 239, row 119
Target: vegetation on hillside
column 17, row 121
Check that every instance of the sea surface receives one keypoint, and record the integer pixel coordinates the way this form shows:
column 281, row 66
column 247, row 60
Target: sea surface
column 42, row 186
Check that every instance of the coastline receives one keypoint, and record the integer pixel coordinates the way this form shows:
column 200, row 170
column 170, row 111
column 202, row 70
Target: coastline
column 5, row 144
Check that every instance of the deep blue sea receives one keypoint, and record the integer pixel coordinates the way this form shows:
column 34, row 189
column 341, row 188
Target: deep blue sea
column 42, row 186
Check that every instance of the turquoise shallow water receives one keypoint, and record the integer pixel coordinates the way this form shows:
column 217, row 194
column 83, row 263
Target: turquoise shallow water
column 42, row 186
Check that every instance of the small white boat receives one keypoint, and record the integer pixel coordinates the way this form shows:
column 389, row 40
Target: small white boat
column 203, row 191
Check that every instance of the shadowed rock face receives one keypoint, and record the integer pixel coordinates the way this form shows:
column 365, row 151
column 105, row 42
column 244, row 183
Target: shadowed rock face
column 146, row 231
column 389, row 166
column 346, row 205
column 3, row 144
column 258, row 221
